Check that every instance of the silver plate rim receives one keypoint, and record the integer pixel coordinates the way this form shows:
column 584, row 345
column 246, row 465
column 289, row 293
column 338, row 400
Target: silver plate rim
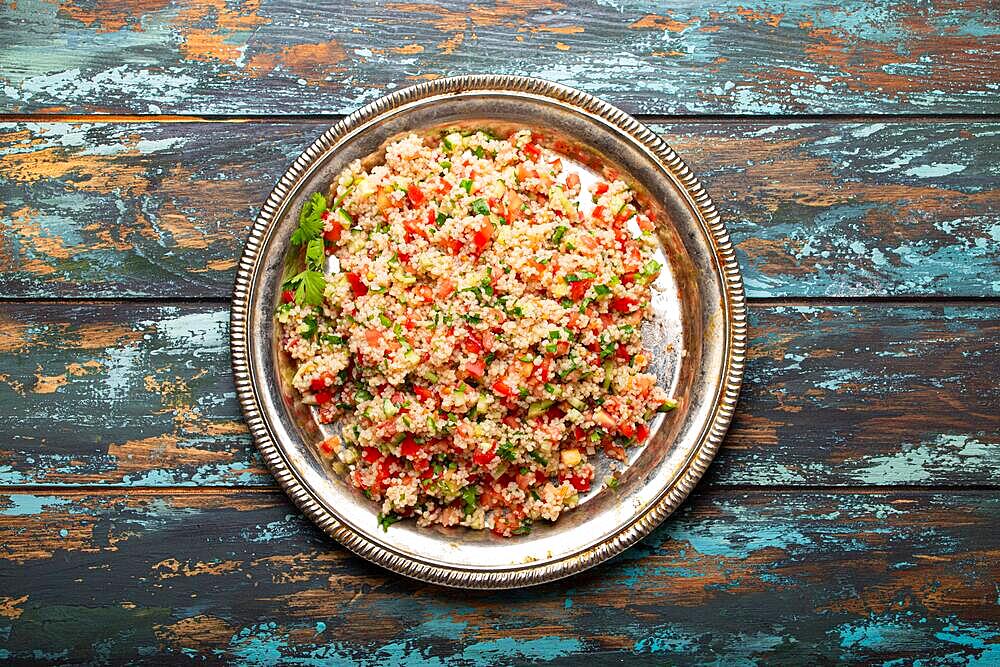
column 734, row 312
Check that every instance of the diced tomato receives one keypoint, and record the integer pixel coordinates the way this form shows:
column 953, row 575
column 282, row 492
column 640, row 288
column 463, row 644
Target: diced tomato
column 628, row 278
column 628, row 430
column 472, row 345
column 318, row 384
column 423, row 393
column 542, row 371
column 415, row 195
column 579, row 434
column 413, row 229
column 562, row 347
column 580, row 483
column 540, row 478
column 623, row 304
column 333, row 234
column 601, row 188
column 373, row 337
column 555, row 412
column 445, row 287
column 645, row 224
column 403, row 257
column 358, row 287
column 370, row 454
column 476, row 368
column 522, row 173
column 621, row 352
column 573, row 180
column 500, row 387
column 431, row 217
column 598, row 212
column 512, row 421
column 323, row 397
column 454, row 245
column 483, row 458
column 532, row 151
column 524, row 481
column 409, row 447
column 482, row 236
column 641, row 432
column 578, row 289
column 422, row 463
column 287, row 296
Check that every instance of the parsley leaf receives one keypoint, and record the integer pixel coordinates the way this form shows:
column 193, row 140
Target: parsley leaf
column 310, row 219
column 315, row 254
column 309, row 286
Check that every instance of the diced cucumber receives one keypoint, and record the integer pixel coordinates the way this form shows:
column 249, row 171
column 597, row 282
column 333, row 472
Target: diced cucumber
column 453, row 141
column 538, row 408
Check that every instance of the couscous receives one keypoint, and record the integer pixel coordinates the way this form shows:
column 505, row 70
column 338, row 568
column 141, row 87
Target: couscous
column 470, row 313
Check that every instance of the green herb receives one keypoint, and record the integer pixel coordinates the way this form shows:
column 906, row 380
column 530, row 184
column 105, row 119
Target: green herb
column 472, row 319
column 554, row 334
column 522, row 392
column 549, row 388
column 315, row 254
column 386, row 520
column 570, row 246
column 611, row 483
column 506, row 451
column 479, row 152
column 362, row 395
column 667, row 405
column 440, row 219
column 310, row 219
column 386, row 322
column 567, row 303
column 466, row 185
column 308, row 286
column 551, row 348
column 587, row 275
column 538, row 457
column 527, row 358
column 480, row 206
column 558, row 234
column 524, row 528
column 445, row 164
column 470, row 499
column 311, row 326
column 572, row 278
column 602, row 290
column 490, row 358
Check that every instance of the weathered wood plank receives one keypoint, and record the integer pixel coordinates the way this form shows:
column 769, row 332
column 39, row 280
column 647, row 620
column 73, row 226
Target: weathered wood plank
column 818, row 209
column 141, row 395
column 733, row 56
column 736, row 578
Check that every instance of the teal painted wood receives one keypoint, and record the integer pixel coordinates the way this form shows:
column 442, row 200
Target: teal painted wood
column 732, row 56
column 816, row 209
column 732, row 578
column 141, row 396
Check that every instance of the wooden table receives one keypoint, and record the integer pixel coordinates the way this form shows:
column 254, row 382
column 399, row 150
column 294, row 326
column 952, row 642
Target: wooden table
column 854, row 512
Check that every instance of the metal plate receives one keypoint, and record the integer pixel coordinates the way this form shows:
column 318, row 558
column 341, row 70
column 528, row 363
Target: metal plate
column 698, row 337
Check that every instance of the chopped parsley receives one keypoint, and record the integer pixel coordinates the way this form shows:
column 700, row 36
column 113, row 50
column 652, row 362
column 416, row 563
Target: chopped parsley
column 386, row 520
column 479, row 206
column 466, row 185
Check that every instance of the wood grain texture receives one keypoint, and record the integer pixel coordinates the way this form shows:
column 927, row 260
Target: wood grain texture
column 141, row 395
column 771, row 578
column 816, row 209
column 733, row 56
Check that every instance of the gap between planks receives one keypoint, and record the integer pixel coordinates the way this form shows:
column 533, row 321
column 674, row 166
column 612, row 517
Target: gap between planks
column 645, row 118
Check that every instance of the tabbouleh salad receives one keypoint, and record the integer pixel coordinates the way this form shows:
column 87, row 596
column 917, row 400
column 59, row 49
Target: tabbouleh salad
column 478, row 337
